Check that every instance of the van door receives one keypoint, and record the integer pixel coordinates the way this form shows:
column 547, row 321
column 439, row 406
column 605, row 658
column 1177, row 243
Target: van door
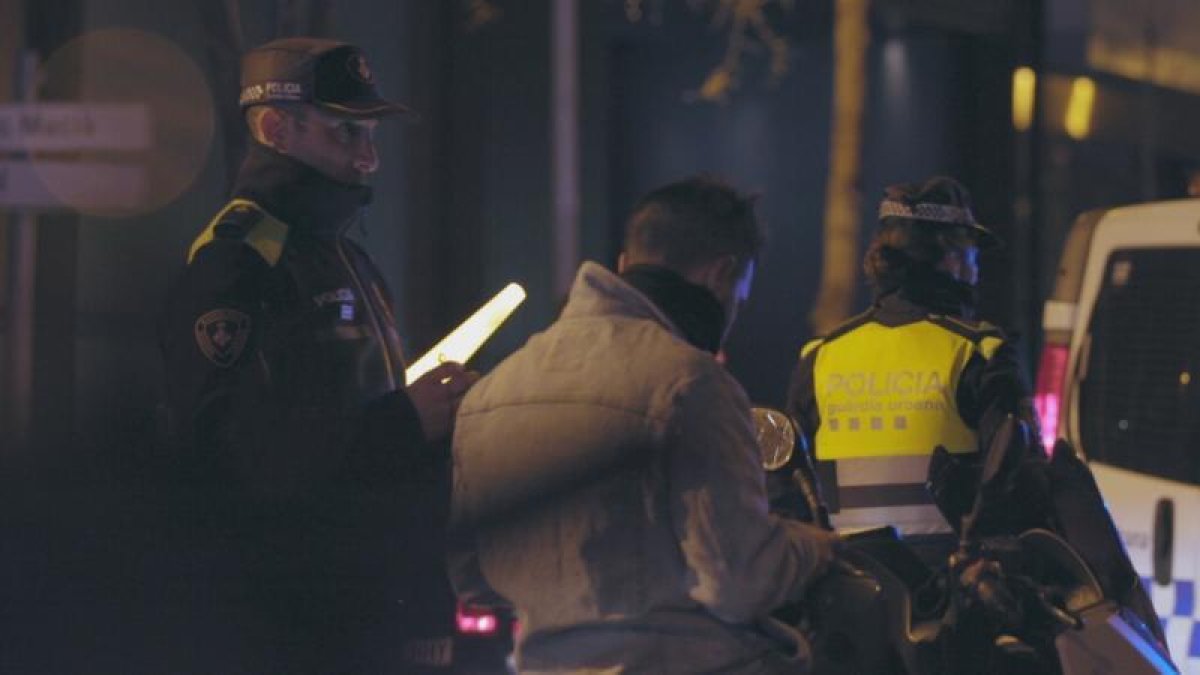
column 1137, row 417
column 1156, row 519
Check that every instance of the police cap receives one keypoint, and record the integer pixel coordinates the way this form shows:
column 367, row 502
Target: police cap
column 940, row 201
column 326, row 73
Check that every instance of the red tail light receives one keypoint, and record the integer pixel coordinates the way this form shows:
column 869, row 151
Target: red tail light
column 1048, row 394
column 476, row 620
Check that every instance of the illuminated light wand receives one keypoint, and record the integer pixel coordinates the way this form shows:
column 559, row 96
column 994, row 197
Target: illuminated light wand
column 462, row 343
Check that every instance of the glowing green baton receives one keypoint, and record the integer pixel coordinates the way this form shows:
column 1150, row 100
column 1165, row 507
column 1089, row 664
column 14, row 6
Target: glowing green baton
column 464, row 341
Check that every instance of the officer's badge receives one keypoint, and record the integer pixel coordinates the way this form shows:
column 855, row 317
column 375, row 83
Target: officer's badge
column 221, row 335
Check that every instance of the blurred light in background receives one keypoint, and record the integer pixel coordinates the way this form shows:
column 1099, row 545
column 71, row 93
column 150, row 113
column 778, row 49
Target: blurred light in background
column 1078, row 120
column 897, row 82
column 1024, row 88
column 130, row 69
column 474, row 620
column 1048, row 392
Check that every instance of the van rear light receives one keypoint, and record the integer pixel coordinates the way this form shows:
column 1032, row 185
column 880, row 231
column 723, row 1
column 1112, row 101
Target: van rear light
column 473, row 620
column 1048, row 393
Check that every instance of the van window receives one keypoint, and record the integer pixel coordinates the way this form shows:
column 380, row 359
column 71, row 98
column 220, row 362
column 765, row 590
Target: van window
column 1139, row 400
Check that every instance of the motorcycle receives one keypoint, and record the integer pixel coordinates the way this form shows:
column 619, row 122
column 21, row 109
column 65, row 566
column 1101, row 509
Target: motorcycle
column 1037, row 581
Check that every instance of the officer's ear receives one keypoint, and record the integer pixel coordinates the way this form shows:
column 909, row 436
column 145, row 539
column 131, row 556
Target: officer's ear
column 270, row 126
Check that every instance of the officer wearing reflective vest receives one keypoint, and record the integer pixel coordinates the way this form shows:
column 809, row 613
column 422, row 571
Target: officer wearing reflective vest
column 322, row 473
column 877, row 394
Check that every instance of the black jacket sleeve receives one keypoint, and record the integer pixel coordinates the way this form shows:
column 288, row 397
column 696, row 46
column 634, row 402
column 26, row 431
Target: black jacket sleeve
column 802, row 397
column 991, row 389
column 250, row 405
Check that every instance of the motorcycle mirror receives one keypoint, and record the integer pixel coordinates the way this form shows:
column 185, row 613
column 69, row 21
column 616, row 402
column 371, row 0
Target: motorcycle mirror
column 776, row 436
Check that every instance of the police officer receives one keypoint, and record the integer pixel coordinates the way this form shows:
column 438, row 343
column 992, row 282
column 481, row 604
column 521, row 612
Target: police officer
column 914, row 371
column 289, row 413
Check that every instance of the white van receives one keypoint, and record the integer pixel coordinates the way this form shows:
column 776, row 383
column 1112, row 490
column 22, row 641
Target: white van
column 1120, row 379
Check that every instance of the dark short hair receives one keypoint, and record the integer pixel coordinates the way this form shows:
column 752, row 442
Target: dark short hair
column 694, row 221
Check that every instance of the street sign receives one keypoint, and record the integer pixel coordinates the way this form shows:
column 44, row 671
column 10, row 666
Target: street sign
column 77, row 185
column 74, row 126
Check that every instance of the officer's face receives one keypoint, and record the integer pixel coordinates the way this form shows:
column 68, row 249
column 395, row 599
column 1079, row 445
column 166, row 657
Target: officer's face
column 962, row 263
column 339, row 147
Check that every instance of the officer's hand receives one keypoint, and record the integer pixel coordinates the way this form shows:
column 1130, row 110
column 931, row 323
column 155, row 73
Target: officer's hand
column 436, row 396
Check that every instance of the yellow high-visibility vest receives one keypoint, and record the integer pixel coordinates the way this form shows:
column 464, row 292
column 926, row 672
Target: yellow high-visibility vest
column 890, row 391
column 886, row 396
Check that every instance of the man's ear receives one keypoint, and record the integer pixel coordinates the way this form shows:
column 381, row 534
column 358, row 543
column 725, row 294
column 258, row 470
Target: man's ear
column 720, row 273
column 274, row 129
column 717, row 275
column 622, row 262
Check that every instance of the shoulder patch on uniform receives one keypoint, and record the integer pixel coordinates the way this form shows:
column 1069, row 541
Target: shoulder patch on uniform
column 268, row 237
column 989, row 345
column 245, row 220
column 235, row 221
column 221, row 335
column 810, row 347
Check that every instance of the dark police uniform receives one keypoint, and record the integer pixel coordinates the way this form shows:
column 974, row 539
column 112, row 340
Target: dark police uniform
column 282, row 336
column 289, row 422
column 878, row 393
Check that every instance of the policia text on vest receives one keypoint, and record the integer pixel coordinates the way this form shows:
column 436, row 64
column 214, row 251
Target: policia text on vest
column 872, row 406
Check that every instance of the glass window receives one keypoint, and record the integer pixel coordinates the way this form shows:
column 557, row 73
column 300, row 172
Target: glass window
column 1139, row 401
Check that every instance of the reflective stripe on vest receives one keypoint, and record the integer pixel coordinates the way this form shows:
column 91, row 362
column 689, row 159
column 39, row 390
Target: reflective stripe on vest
column 886, row 491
